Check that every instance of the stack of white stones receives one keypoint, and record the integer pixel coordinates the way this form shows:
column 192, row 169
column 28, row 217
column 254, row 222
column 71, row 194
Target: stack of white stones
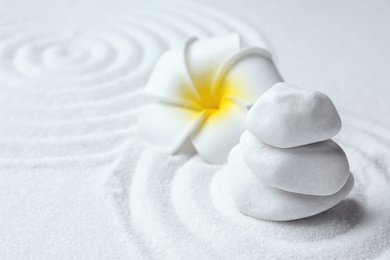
column 286, row 166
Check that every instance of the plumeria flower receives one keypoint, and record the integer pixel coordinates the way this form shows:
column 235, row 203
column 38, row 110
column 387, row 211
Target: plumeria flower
column 203, row 93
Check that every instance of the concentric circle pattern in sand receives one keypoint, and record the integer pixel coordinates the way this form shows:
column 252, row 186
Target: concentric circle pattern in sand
column 69, row 99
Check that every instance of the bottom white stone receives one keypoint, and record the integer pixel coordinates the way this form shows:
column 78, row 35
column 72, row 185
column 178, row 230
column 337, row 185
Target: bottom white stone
column 259, row 200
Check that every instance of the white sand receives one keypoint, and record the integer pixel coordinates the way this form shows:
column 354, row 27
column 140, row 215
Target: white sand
column 76, row 184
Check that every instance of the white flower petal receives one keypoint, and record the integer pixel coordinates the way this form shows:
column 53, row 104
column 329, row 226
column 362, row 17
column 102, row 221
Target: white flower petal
column 247, row 75
column 205, row 57
column 170, row 81
column 167, row 125
column 220, row 132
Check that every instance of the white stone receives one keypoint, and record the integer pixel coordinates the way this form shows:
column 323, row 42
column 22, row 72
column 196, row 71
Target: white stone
column 259, row 200
column 317, row 169
column 288, row 116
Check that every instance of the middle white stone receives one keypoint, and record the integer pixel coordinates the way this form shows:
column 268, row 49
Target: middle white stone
column 316, row 169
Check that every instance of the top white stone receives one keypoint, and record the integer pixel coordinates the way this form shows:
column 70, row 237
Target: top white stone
column 288, row 116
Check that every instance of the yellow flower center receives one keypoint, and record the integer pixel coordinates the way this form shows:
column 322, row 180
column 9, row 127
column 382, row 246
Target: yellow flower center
column 214, row 97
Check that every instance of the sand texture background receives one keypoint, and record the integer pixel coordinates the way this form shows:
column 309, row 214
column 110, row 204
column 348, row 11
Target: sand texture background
column 76, row 183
